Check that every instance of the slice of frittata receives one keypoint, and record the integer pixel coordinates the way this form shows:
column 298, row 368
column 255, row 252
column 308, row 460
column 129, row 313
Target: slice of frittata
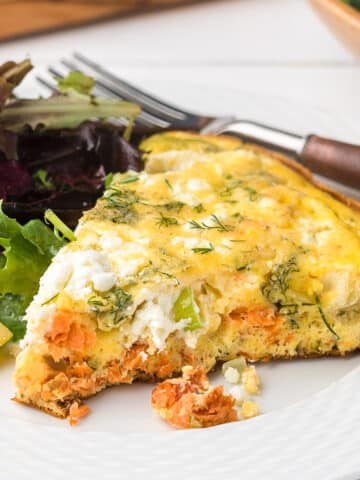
column 217, row 249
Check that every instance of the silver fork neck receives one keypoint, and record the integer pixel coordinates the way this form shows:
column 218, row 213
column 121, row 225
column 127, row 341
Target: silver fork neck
column 257, row 133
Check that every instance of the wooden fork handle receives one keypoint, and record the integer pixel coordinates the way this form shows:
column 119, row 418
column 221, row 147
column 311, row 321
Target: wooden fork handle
column 332, row 159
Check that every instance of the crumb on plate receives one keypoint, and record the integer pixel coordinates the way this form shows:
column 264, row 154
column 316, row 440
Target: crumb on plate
column 191, row 402
column 249, row 409
column 251, row 380
column 76, row 412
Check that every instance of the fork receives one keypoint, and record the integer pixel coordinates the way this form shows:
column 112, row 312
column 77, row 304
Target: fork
column 329, row 158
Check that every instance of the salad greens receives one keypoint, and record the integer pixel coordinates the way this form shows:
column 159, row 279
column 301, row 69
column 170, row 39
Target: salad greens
column 50, row 149
column 77, row 81
column 68, row 109
column 27, row 252
column 11, row 74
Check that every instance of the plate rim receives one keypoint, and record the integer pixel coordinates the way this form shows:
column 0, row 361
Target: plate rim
column 256, row 456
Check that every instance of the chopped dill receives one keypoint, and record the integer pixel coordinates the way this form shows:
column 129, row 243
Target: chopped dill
column 176, row 206
column 275, row 289
column 293, row 324
column 217, row 225
column 242, row 268
column 167, row 181
column 129, row 179
column 204, row 250
column 110, row 308
column 50, row 300
column 166, row 221
column 238, row 216
column 199, row 208
column 253, row 194
column 323, row 317
column 116, row 197
column 233, row 184
column 292, row 308
column 168, row 275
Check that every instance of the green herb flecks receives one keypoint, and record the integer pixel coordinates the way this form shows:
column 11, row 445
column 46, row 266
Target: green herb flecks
column 163, row 221
column 110, row 309
column 199, row 208
column 174, row 206
column 167, row 181
column 253, row 194
column 204, row 250
column 233, row 184
column 60, row 229
column 121, row 197
column 239, row 217
column 277, row 285
column 242, row 268
column 128, row 179
column 217, row 225
column 167, row 275
column 50, row 300
column 122, row 204
column 323, row 317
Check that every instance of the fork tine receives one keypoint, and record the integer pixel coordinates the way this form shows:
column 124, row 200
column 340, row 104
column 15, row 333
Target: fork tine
column 148, row 102
column 45, row 83
column 144, row 119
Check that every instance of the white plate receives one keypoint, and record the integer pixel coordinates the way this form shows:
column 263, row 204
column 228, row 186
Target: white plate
column 311, row 408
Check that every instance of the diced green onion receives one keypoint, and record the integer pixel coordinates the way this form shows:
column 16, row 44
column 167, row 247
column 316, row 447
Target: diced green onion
column 185, row 308
column 60, row 229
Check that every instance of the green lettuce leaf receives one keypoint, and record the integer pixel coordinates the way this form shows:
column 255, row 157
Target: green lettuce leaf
column 12, row 308
column 77, row 81
column 68, row 110
column 26, row 253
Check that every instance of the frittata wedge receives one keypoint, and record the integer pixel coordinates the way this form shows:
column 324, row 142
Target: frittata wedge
column 216, row 250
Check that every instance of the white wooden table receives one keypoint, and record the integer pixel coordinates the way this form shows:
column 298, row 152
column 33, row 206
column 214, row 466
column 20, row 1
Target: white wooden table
column 276, row 47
